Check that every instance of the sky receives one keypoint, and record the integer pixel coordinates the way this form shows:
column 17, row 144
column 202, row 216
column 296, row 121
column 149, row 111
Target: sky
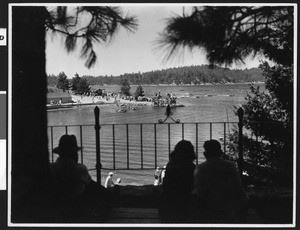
column 129, row 52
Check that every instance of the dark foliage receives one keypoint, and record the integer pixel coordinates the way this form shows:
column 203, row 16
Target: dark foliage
column 92, row 24
column 125, row 87
column 139, row 92
column 52, row 80
column 275, row 106
column 75, row 82
column 62, row 81
column 98, row 92
column 268, row 121
column 229, row 34
column 80, row 85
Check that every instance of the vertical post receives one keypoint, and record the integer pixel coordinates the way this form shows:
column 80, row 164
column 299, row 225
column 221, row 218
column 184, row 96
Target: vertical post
column 224, row 139
column 155, row 147
column 241, row 159
column 114, row 146
column 127, row 145
column 197, row 143
column 81, row 151
column 141, row 133
column 52, row 144
column 169, row 140
column 97, row 130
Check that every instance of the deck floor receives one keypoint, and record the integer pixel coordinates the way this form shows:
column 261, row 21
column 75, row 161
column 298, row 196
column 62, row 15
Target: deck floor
column 134, row 215
column 150, row 216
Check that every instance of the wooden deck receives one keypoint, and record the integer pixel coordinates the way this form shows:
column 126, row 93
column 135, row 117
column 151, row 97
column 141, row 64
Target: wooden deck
column 134, row 215
column 123, row 215
column 139, row 205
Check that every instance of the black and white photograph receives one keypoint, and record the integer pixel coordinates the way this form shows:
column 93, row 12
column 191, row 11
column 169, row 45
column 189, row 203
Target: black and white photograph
column 151, row 115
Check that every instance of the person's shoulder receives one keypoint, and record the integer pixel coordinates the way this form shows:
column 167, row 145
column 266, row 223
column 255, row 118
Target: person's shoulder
column 58, row 164
column 230, row 165
column 201, row 167
column 81, row 167
column 203, row 164
column 228, row 162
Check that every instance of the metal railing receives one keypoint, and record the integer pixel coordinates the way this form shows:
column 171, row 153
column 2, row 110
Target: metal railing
column 140, row 146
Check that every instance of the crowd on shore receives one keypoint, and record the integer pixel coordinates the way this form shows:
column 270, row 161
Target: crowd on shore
column 111, row 97
column 123, row 102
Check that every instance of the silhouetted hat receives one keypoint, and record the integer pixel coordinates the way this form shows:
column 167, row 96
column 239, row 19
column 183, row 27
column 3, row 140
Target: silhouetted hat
column 67, row 144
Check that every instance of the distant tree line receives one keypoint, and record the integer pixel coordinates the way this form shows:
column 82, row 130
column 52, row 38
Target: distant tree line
column 79, row 85
column 179, row 75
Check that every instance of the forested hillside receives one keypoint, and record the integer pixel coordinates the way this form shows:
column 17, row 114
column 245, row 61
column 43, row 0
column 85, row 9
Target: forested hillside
column 180, row 75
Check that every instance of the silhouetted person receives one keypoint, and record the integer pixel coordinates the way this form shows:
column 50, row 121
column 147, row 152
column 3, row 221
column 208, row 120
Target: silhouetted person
column 109, row 183
column 175, row 202
column 163, row 173
column 157, row 176
column 221, row 197
column 78, row 196
column 70, row 177
column 118, row 181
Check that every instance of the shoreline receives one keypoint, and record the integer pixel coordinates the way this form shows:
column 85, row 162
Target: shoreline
column 71, row 105
column 79, row 100
column 92, row 100
column 203, row 84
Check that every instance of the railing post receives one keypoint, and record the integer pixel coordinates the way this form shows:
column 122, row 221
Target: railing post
column 241, row 159
column 81, row 140
column 97, row 130
column 52, row 144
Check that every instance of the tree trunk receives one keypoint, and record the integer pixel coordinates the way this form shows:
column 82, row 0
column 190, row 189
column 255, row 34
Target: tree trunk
column 30, row 157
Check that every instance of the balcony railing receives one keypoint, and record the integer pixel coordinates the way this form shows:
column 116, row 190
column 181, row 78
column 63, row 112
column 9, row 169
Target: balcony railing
column 142, row 146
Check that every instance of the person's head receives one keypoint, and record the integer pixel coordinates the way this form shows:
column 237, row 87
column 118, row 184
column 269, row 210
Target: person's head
column 212, row 149
column 111, row 174
column 67, row 147
column 183, row 152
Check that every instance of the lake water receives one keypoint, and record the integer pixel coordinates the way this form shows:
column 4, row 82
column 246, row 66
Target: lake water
column 203, row 104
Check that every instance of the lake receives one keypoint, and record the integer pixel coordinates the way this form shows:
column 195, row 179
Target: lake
column 203, row 104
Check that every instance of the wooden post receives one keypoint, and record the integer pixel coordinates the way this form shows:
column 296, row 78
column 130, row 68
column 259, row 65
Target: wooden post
column 241, row 159
column 97, row 131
